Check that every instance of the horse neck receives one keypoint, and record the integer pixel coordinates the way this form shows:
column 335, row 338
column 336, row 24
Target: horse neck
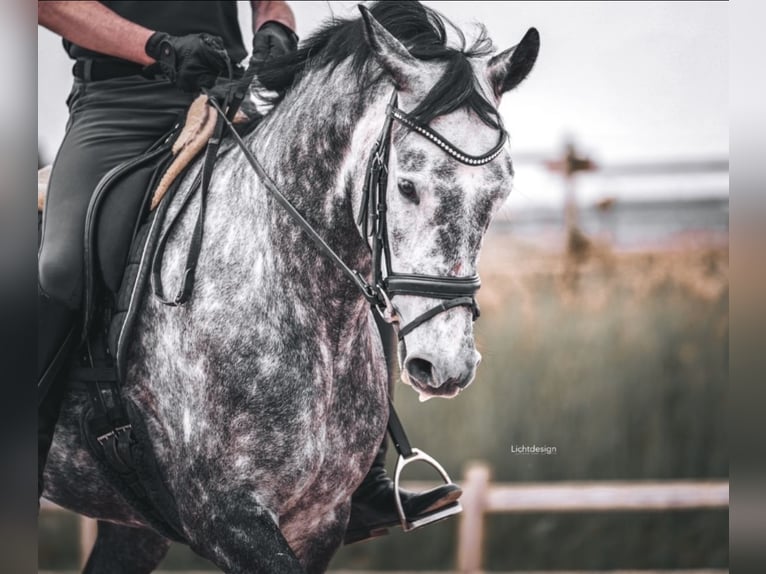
column 315, row 146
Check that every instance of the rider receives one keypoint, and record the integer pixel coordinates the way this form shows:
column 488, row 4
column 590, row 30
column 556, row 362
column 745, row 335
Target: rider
column 117, row 109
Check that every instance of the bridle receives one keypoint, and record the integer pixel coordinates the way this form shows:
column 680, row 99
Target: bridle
column 455, row 291
column 385, row 283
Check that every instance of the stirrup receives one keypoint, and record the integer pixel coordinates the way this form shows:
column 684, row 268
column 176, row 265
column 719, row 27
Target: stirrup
column 452, row 509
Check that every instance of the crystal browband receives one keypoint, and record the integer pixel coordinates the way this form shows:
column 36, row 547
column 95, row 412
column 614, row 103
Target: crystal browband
column 442, row 142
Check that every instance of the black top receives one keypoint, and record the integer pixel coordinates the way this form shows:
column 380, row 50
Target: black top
column 177, row 18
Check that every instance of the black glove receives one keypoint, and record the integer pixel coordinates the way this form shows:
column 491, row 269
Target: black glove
column 273, row 40
column 190, row 62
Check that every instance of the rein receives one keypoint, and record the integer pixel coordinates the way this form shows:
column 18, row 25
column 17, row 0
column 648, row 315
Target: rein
column 385, row 283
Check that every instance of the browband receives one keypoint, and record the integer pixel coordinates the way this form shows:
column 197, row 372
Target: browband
column 443, row 143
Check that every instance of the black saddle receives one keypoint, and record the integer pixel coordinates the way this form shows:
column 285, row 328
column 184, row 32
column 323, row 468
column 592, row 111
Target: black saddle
column 118, row 207
column 122, row 236
column 120, row 232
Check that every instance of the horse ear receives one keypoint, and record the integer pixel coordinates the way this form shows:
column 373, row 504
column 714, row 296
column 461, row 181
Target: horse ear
column 509, row 68
column 390, row 52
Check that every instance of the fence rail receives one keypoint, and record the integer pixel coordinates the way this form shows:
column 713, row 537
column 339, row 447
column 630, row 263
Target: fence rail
column 481, row 497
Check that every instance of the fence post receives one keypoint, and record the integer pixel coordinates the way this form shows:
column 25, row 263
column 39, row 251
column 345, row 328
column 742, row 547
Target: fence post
column 471, row 531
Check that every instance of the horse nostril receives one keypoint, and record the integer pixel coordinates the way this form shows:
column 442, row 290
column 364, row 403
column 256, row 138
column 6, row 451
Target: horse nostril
column 465, row 379
column 420, row 370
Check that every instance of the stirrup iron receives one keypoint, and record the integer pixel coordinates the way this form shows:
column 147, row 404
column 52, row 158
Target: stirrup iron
column 435, row 516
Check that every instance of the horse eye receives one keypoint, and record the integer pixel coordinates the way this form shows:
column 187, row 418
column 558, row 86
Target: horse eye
column 407, row 189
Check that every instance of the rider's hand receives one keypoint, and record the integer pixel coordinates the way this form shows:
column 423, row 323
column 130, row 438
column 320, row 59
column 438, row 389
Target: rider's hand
column 273, row 40
column 190, row 62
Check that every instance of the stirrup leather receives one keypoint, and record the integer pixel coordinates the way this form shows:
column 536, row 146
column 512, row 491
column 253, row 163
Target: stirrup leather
column 408, row 455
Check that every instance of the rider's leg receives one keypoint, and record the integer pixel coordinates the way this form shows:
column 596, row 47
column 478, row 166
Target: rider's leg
column 373, row 505
column 110, row 122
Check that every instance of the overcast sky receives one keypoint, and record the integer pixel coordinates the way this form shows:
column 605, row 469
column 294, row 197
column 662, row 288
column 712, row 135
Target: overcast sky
column 627, row 80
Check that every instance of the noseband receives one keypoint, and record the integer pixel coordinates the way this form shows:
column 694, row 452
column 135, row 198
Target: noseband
column 386, row 284
column 455, row 291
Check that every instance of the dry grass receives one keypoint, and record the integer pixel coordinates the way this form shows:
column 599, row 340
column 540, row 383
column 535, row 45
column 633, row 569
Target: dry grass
column 589, row 273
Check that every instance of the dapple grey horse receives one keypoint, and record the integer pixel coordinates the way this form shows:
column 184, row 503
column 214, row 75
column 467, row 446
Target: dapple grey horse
column 265, row 395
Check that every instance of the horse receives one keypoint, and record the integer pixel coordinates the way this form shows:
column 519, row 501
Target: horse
column 264, row 395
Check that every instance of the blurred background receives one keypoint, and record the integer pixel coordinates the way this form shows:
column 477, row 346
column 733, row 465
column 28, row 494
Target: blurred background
column 605, row 316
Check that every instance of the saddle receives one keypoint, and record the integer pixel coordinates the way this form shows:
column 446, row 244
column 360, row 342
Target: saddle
column 123, row 224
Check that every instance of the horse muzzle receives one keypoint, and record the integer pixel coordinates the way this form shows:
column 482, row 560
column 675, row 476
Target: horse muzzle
column 432, row 378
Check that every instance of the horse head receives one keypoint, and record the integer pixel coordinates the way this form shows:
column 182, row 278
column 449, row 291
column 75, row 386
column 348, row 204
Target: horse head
column 447, row 174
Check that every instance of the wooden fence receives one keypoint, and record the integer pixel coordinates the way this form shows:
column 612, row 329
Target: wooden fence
column 481, row 497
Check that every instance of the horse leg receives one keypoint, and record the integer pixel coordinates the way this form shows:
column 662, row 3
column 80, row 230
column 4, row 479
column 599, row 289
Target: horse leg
column 125, row 550
column 324, row 541
column 237, row 534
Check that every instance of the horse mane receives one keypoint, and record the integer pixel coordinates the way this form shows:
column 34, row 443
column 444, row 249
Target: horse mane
column 422, row 31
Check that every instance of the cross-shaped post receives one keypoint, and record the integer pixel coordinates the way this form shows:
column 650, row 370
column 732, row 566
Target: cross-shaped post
column 569, row 165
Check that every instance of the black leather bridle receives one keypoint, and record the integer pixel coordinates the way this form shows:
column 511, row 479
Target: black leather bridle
column 386, row 283
column 455, row 291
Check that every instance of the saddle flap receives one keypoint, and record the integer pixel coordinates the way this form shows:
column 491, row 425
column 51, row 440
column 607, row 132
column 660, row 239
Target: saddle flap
column 124, row 197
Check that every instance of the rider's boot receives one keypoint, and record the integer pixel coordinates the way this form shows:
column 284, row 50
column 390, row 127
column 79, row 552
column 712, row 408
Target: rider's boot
column 55, row 336
column 373, row 505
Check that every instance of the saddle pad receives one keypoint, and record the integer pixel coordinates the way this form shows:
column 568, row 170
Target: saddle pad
column 197, row 131
column 128, row 300
column 135, row 280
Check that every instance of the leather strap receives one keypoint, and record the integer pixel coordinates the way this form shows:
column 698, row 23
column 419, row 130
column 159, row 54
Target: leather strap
column 241, row 89
column 396, row 430
column 92, row 70
column 423, row 317
column 195, row 245
column 156, row 274
column 272, row 188
column 432, row 286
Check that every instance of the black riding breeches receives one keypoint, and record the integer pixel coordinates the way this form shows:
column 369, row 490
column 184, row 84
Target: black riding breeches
column 110, row 121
